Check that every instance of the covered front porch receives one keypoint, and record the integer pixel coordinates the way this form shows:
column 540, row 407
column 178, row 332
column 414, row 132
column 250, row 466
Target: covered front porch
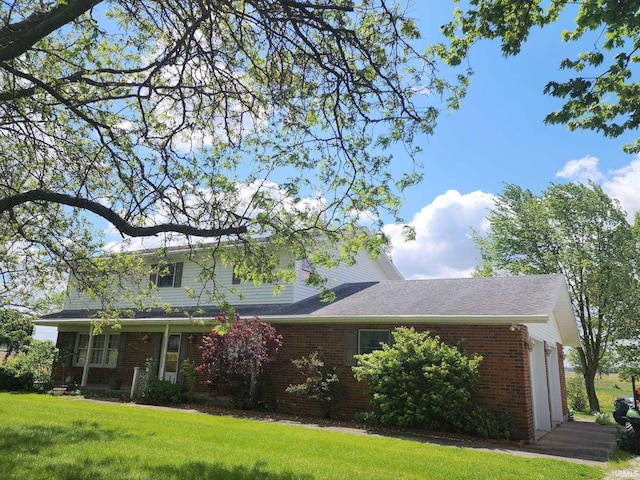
column 110, row 356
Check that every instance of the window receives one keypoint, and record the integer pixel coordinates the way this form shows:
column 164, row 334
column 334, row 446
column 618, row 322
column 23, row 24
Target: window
column 363, row 341
column 305, row 270
column 80, row 351
column 370, row 340
column 168, row 275
column 104, row 352
column 237, row 279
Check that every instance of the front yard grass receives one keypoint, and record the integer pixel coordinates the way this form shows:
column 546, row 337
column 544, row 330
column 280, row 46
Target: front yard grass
column 46, row 437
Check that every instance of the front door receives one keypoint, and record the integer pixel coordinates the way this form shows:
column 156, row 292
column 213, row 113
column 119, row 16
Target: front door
column 171, row 358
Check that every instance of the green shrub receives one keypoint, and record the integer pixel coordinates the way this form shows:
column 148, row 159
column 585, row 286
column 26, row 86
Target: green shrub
column 15, row 379
column 188, row 369
column 603, row 418
column 37, row 358
column 164, row 391
column 577, row 395
column 483, row 423
column 418, row 381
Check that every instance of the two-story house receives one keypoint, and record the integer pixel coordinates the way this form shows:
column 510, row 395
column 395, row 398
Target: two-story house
column 518, row 324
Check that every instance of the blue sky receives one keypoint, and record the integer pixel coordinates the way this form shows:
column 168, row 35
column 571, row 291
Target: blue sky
column 497, row 136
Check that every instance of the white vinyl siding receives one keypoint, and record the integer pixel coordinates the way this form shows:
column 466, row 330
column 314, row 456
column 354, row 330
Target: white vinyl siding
column 365, row 270
column 248, row 293
column 547, row 331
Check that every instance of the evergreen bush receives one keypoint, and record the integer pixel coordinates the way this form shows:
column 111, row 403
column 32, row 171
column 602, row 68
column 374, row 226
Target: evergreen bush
column 163, row 392
column 577, row 395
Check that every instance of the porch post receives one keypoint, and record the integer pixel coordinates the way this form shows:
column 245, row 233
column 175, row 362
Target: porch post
column 163, row 353
column 87, row 359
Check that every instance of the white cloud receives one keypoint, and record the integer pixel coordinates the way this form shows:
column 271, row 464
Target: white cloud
column 621, row 184
column 581, row 170
column 443, row 247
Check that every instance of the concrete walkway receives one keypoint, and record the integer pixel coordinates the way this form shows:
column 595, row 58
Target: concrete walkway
column 580, row 440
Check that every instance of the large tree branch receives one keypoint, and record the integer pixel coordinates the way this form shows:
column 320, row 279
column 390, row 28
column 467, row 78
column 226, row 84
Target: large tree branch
column 17, row 38
column 40, row 195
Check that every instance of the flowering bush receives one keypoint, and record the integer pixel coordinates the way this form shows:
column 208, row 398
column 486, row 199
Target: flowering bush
column 235, row 354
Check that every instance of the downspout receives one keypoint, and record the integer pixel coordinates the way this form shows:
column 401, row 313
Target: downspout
column 85, row 368
column 163, row 354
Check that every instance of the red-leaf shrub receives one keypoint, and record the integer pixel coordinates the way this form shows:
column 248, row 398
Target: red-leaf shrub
column 235, row 355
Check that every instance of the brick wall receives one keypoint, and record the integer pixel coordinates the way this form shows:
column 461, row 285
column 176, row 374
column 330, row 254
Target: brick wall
column 504, row 372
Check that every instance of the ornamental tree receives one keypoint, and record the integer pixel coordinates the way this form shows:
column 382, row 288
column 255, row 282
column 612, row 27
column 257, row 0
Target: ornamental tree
column 235, row 354
column 187, row 120
column 321, row 382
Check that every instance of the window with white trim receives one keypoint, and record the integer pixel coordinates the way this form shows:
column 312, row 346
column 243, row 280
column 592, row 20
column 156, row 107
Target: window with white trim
column 104, row 351
column 166, row 275
column 235, row 279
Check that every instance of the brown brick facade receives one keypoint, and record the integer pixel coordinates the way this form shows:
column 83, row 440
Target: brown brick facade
column 504, row 372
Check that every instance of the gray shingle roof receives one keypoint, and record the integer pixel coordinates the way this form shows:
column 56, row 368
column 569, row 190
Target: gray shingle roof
column 515, row 300
column 495, row 296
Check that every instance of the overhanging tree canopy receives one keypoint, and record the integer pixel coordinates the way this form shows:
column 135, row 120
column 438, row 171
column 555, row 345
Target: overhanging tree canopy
column 234, row 119
column 604, row 93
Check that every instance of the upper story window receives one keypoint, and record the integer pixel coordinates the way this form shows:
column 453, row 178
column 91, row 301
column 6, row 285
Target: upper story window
column 238, row 279
column 104, row 351
column 235, row 280
column 305, row 269
column 166, row 275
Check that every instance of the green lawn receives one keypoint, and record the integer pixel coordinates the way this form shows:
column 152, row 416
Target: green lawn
column 45, row 437
column 608, row 388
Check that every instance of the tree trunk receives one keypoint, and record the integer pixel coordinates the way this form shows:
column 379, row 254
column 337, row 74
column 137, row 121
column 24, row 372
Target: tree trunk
column 253, row 383
column 590, row 386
